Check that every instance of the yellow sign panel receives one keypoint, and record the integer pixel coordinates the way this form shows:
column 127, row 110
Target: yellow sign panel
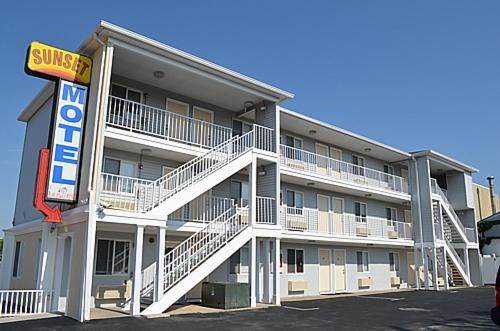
column 45, row 60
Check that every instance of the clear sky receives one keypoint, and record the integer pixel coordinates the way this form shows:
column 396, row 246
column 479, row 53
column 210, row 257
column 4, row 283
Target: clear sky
column 411, row 74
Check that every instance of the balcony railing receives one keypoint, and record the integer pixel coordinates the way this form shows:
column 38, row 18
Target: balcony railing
column 265, row 210
column 298, row 159
column 332, row 224
column 161, row 123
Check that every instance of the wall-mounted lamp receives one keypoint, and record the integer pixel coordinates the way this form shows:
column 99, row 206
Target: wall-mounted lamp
column 262, row 171
column 158, row 74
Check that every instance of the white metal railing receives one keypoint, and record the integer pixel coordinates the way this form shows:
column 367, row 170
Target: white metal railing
column 204, row 208
column 265, row 210
column 437, row 190
column 24, row 302
column 305, row 161
column 121, row 192
column 330, row 223
column 189, row 254
column 455, row 254
column 161, row 123
column 264, row 138
column 148, row 278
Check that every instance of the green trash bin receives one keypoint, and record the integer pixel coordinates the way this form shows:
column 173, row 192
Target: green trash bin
column 225, row 295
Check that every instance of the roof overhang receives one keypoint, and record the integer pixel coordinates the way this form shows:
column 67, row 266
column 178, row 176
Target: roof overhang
column 122, row 37
column 302, row 124
column 445, row 161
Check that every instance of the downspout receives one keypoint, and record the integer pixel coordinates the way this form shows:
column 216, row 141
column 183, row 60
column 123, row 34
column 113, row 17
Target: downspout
column 417, row 186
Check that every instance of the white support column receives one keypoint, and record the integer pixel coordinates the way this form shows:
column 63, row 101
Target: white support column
column 426, row 267
column 253, row 192
column 7, row 259
column 258, row 285
column 252, row 281
column 266, row 271
column 435, row 269
column 416, row 258
column 276, row 265
column 466, row 261
column 160, row 263
column 136, row 279
column 47, row 258
column 445, row 269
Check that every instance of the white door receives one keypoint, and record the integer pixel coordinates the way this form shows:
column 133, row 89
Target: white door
column 325, row 274
column 323, row 213
column 339, row 270
column 336, row 166
column 338, row 216
column 202, row 129
column 322, row 159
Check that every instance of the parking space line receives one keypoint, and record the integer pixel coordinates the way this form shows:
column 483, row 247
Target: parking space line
column 381, row 298
column 301, row 309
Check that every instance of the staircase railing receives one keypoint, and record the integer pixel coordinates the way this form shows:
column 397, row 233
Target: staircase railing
column 436, row 189
column 148, row 280
column 189, row 254
column 195, row 170
column 455, row 254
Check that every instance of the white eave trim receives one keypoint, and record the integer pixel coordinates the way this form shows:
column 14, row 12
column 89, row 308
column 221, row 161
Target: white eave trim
column 194, row 60
column 446, row 159
column 403, row 154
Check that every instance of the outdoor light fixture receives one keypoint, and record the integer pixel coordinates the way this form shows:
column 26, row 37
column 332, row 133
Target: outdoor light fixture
column 368, row 149
column 368, row 195
column 248, row 105
column 310, row 184
column 143, row 151
column 262, row 171
column 158, row 74
column 263, row 106
column 312, row 132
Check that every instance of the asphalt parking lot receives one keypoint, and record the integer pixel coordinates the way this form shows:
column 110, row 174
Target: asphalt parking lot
column 464, row 309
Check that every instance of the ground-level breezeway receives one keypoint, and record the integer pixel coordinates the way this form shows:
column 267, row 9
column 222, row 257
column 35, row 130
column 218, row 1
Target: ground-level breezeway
column 464, row 308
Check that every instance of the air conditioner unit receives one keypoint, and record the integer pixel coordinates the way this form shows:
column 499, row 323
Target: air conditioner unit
column 395, row 281
column 365, row 282
column 393, row 234
column 363, row 232
column 297, row 285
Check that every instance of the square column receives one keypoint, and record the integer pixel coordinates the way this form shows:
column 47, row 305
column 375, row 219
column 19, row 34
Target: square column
column 252, row 277
column 8, row 259
column 276, row 279
column 47, row 258
column 136, row 278
column 258, row 285
column 160, row 263
column 266, row 271
column 435, row 269
column 445, row 269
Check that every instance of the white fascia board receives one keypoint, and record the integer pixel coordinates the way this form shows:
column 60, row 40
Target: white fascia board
column 196, row 61
column 404, row 155
column 317, row 238
column 446, row 159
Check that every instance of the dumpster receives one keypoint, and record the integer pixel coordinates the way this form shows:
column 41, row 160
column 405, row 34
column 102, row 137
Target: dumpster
column 225, row 295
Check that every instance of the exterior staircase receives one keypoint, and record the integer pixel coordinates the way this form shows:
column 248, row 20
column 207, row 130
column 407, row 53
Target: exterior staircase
column 200, row 254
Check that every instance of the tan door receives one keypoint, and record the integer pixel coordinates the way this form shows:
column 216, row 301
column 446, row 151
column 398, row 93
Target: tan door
column 202, row 130
column 336, row 167
column 323, row 213
column 338, row 216
column 322, row 160
column 325, row 274
column 339, row 270
column 178, row 126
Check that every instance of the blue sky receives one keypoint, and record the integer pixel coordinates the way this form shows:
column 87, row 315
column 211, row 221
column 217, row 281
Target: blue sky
column 412, row 74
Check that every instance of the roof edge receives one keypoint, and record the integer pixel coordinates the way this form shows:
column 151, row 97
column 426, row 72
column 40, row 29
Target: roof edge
column 456, row 163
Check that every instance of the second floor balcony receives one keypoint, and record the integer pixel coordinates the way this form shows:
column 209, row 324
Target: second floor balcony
column 336, row 170
column 314, row 221
column 161, row 123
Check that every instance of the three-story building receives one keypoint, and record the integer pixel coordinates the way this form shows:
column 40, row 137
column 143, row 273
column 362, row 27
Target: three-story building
column 192, row 172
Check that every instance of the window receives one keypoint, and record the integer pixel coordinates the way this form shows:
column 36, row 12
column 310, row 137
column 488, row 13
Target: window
column 394, row 261
column 119, row 168
column 362, row 260
column 294, row 202
column 360, row 212
column 18, row 256
column 126, row 93
column 112, row 257
column 360, row 162
column 240, row 192
column 295, row 144
column 295, row 261
column 240, row 128
column 238, row 262
column 392, row 216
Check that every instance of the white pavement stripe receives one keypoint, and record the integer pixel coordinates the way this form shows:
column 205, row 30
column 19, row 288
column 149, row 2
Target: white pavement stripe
column 381, row 298
column 301, row 309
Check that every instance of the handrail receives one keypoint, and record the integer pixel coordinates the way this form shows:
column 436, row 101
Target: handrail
column 299, row 159
column 189, row 254
column 436, row 189
column 161, row 123
column 25, row 302
column 265, row 210
column 332, row 224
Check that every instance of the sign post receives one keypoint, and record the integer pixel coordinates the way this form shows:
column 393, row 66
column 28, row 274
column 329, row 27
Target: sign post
column 59, row 165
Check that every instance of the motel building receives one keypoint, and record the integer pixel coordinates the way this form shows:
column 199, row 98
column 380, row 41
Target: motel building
column 193, row 173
